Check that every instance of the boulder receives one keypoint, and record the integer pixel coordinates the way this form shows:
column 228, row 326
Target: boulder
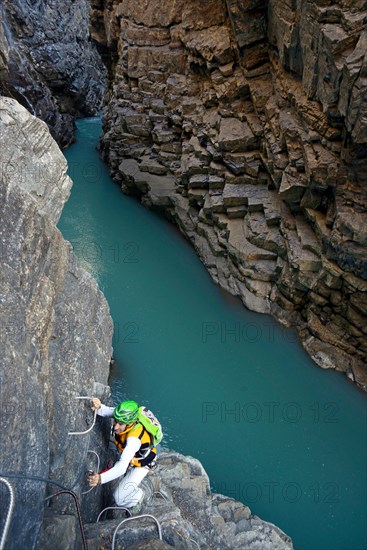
column 235, row 135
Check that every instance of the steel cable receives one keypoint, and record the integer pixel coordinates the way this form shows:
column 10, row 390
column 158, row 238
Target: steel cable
column 9, row 513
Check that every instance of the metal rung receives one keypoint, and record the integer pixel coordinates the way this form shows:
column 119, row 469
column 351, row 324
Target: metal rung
column 159, row 493
column 94, row 419
column 137, row 517
column 9, row 513
column 98, row 464
column 112, row 508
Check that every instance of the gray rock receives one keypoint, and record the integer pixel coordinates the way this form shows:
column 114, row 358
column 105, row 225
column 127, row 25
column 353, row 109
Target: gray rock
column 179, row 497
column 234, row 195
column 292, row 187
column 243, row 525
column 31, row 159
column 151, row 544
column 56, row 333
column 60, row 528
column 235, row 135
column 264, row 236
column 52, row 67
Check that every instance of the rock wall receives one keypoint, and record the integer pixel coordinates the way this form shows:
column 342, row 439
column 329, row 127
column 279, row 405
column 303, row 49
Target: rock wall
column 246, row 123
column 49, row 63
column 55, row 330
column 56, row 333
column 178, row 495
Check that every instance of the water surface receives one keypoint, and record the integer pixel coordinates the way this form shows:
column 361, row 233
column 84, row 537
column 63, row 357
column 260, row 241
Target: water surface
column 230, row 386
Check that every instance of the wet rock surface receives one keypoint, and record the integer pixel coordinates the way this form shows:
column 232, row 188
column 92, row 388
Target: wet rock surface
column 245, row 122
column 49, row 63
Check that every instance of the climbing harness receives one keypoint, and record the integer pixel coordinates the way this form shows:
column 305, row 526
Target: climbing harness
column 112, row 508
column 147, row 452
column 129, row 412
column 94, row 419
column 9, row 514
column 136, row 517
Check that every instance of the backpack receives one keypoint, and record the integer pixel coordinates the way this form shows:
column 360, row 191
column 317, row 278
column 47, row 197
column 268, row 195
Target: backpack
column 151, row 424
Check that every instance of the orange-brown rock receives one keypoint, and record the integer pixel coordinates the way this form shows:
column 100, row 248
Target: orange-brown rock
column 254, row 114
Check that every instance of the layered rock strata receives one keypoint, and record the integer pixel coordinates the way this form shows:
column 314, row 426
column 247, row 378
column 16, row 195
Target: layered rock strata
column 49, row 63
column 55, row 328
column 56, row 333
column 246, row 123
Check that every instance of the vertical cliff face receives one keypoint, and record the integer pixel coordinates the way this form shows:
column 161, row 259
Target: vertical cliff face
column 49, row 63
column 245, row 121
column 55, row 328
column 56, row 331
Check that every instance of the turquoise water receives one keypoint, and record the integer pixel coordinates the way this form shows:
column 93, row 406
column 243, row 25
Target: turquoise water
column 231, row 387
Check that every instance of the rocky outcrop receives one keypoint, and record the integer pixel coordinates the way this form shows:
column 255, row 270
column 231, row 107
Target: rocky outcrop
column 178, row 495
column 245, row 122
column 55, row 328
column 31, row 160
column 49, row 63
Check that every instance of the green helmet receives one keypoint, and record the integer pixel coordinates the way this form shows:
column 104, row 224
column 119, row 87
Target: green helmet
column 127, row 412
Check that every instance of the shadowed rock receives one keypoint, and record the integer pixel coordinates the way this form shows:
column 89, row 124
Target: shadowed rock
column 254, row 108
column 49, row 64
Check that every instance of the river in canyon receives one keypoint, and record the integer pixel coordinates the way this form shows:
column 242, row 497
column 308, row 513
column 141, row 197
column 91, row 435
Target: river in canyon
column 231, row 387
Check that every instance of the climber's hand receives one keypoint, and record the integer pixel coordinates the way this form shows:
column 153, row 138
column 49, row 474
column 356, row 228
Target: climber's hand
column 96, row 404
column 94, row 480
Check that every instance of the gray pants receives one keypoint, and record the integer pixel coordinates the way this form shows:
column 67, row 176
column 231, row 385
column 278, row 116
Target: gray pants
column 128, row 492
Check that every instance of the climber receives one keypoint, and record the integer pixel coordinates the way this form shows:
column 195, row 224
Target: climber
column 138, row 455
